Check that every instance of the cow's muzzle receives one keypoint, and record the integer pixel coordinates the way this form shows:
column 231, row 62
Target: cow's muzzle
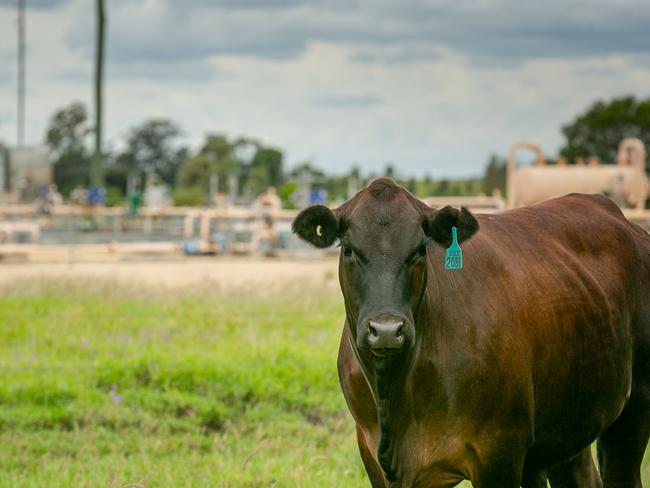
column 386, row 334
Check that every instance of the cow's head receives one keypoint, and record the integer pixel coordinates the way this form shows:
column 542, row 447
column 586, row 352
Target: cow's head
column 384, row 234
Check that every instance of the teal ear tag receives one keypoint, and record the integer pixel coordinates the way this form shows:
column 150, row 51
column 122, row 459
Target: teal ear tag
column 454, row 254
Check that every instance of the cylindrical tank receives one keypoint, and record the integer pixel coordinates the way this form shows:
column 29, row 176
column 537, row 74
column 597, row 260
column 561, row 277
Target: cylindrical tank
column 625, row 182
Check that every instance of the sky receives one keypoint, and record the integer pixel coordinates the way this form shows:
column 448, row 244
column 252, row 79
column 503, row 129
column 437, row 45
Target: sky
column 432, row 87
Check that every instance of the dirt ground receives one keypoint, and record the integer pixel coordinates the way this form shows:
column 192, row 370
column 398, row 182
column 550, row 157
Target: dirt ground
column 224, row 272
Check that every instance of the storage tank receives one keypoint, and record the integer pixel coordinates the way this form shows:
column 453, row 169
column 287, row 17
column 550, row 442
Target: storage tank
column 625, row 182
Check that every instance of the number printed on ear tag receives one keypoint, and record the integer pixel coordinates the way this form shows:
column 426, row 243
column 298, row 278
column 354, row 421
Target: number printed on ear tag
column 454, row 254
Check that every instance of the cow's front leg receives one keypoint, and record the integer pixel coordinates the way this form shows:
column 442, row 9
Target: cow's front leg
column 536, row 479
column 578, row 472
column 375, row 473
column 506, row 476
column 500, row 472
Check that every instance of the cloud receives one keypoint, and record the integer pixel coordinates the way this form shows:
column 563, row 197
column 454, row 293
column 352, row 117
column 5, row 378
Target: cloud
column 33, row 4
column 186, row 71
column 158, row 32
column 489, row 31
column 5, row 76
column 403, row 53
column 248, row 4
column 7, row 63
column 431, row 86
column 340, row 101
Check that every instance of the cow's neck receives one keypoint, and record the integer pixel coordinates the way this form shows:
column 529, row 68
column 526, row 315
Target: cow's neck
column 392, row 388
column 393, row 408
column 395, row 381
column 384, row 377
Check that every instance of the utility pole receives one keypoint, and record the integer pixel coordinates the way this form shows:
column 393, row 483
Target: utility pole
column 97, row 163
column 20, row 122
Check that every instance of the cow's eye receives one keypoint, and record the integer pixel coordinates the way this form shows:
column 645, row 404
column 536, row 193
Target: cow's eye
column 422, row 250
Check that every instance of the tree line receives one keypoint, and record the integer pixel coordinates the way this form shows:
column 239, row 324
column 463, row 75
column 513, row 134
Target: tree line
column 154, row 151
column 244, row 166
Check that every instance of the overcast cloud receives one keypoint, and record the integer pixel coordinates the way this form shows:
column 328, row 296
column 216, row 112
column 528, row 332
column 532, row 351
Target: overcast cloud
column 432, row 86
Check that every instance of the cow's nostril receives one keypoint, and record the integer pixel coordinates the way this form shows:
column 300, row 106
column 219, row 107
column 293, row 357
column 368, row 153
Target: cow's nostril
column 400, row 330
column 372, row 330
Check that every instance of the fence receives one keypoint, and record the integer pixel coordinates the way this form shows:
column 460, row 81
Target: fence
column 71, row 233
column 113, row 232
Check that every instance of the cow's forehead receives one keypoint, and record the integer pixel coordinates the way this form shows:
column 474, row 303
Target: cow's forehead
column 395, row 220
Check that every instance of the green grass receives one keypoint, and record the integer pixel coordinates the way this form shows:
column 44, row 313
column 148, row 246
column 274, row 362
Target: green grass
column 110, row 386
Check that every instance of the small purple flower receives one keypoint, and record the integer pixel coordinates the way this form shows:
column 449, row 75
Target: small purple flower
column 115, row 398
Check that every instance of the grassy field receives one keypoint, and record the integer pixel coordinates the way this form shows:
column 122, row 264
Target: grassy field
column 106, row 386
column 115, row 386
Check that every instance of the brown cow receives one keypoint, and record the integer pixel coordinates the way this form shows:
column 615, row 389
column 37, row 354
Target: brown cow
column 503, row 372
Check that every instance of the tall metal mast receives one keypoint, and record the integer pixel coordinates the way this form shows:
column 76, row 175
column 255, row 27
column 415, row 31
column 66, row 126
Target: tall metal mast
column 96, row 168
column 20, row 122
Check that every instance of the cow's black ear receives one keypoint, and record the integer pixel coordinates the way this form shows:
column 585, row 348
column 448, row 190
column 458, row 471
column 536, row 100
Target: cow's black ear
column 438, row 226
column 317, row 225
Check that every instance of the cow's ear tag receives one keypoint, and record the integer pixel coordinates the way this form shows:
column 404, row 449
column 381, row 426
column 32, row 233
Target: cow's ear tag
column 454, row 254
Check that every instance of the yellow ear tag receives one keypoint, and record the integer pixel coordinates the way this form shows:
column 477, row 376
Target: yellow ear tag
column 319, row 230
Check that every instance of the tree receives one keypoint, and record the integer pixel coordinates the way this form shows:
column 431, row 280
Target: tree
column 194, row 172
column 443, row 188
column 337, row 187
column 495, row 176
column 308, row 168
column 244, row 151
column 223, row 160
column 389, row 171
column 66, row 137
column 72, row 169
column 286, row 191
column 428, row 186
column 67, row 129
column 214, row 158
column 192, row 185
column 116, row 174
column 266, row 169
column 411, row 185
column 152, row 149
column 599, row 130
